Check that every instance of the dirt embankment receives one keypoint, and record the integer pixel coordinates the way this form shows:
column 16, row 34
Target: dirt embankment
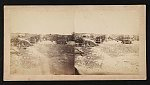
column 44, row 58
column 108, row 59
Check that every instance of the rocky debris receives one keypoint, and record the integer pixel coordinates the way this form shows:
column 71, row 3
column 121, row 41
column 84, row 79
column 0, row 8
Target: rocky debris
column 108, row 59
column 44, row 58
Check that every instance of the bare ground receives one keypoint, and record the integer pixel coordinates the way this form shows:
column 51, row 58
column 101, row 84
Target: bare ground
column 48, row 58
column 114, row 58
column 43, row 58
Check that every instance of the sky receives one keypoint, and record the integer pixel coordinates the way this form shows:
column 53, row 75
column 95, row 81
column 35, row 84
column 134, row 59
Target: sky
column 39, row 19
column 110, row 19
column 82, row 19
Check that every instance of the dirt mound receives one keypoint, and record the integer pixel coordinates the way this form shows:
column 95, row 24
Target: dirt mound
column 44, row 58
column 108, row 59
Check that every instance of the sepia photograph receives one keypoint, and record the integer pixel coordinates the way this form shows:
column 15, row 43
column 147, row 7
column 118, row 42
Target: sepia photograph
column 75, row 42
column 107, row 54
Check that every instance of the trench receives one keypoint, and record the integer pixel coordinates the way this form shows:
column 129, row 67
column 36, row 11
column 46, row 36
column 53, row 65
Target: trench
column 57, row 59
